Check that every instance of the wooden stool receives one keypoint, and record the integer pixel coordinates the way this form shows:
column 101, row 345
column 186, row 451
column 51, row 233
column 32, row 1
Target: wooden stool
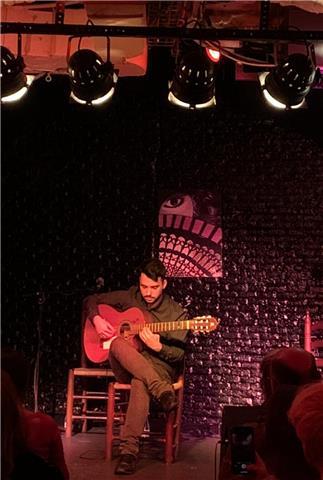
column 86, row 395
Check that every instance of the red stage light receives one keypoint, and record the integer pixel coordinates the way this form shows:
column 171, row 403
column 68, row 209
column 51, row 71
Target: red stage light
column 214, row 55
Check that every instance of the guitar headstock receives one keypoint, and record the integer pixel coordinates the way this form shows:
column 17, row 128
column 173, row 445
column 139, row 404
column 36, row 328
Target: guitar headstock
column 205, row 323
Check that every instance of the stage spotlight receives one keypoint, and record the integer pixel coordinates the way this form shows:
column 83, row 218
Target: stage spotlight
column 213, row 54
column 92, row 80
column 14, row 82
column 193, row 85
column 287, row 85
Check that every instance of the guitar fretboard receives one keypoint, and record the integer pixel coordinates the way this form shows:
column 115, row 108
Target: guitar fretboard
column 163, row 326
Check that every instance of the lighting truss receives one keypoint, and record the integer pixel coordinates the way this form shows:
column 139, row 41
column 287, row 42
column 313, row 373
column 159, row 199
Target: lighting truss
column 161, row 32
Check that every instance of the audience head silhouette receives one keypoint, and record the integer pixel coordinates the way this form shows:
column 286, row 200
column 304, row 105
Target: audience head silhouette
column 33, row 442
column 13, row 441
column 306, row 415
column 17, row 366
column 287, row 366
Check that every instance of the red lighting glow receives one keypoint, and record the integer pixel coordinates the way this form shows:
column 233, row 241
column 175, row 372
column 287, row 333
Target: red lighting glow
column 214, row 55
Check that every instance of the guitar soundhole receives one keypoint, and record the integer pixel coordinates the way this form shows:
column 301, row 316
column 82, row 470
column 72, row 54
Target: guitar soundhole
column 125, row 330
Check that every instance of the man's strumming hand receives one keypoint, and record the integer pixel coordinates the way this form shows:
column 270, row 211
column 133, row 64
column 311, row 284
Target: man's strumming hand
column 104, row 329
column 152, row 340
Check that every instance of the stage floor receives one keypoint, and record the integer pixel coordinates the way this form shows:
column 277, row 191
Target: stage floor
column 84, row 454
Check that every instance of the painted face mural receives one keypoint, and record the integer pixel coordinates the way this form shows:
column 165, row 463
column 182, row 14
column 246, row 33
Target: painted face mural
column 190, row 234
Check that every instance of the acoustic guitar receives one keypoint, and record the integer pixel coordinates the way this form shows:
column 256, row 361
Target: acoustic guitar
column 129, row 323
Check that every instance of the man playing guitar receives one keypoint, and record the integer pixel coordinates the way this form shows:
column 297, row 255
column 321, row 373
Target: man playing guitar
column 154, row 364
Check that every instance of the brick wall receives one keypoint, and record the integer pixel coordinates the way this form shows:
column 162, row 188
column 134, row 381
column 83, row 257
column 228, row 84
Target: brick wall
column 79, row 202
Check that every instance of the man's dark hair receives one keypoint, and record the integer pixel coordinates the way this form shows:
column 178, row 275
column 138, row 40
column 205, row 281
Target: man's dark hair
column 153, row 268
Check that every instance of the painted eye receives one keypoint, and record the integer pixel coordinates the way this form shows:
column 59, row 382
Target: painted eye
column 174, row 202
column 178, row 205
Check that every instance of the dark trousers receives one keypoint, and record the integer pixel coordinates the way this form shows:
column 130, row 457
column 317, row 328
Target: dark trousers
column 130, row 366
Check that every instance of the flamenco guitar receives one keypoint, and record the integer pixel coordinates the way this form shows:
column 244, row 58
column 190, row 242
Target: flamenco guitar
column 129, row 323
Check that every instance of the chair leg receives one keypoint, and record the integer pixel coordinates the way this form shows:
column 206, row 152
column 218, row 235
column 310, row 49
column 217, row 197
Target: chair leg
column 169, row 438
column 110, row 421
column 178, row 422
column 217, row 459
column 69, row 403
column 84, row 409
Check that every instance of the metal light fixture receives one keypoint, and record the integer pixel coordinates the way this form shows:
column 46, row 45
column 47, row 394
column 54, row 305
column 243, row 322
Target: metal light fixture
column 92, row 80
column 286, row 86
column 213, row 54
column 193, row 85
column 14, row 82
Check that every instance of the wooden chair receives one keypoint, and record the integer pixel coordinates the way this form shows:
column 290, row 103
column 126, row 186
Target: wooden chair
column 95, row 379
column 86, row 414
column 170, row 436
column 313, row 338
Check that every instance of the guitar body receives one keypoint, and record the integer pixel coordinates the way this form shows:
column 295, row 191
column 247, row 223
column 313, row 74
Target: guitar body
column 97, row 350
column 129, row 323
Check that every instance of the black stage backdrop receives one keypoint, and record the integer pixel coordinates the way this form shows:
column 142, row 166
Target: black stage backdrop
column 80, row 200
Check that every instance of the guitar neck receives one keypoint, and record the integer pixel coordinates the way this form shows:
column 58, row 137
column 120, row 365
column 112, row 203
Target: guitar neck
column 163, row 326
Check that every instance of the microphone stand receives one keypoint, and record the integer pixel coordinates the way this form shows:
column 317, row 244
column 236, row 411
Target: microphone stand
column 40, row 300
